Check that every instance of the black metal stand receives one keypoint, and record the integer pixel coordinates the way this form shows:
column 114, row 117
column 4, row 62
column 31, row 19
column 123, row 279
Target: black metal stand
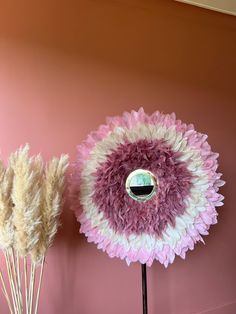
column 144, row 289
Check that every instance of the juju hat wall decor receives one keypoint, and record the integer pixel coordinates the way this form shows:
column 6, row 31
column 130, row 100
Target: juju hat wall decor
column 145, row 187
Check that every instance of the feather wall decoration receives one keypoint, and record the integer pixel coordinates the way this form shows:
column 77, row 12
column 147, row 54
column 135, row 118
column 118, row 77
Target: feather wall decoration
column 142, row 220
column 30, row 207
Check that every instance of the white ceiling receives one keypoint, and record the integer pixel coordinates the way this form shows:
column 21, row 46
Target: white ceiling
column 225, row 6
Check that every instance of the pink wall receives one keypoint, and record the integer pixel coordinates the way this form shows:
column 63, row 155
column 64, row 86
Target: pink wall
column 62, row 70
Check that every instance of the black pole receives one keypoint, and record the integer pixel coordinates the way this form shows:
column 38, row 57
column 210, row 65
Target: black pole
column 144, row 289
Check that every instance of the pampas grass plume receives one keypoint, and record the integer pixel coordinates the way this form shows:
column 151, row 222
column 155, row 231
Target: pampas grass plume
column 6, row 228
column 53, row 186
column 26, row 196
column 30, row 206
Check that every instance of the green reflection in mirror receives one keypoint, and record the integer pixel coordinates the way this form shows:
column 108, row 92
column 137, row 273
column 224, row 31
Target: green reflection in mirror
column 141, row 185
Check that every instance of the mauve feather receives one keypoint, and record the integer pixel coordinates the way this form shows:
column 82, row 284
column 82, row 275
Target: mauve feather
column 125, row 214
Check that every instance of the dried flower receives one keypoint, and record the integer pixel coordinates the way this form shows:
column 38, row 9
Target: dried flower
column 26, row 196
column 53, row 186
column 6, row 228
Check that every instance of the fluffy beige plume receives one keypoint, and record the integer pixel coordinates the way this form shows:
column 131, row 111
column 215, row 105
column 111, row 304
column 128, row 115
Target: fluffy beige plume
column 53, row 187
column 27, row 197
column 6, row 228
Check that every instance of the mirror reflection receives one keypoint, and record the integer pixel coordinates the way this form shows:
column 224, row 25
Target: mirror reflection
column 141, row 185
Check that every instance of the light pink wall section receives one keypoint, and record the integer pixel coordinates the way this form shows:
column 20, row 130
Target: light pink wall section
column 64, row 67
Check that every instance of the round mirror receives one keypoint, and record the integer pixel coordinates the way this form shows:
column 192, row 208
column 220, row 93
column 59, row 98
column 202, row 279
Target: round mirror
column 141, row 185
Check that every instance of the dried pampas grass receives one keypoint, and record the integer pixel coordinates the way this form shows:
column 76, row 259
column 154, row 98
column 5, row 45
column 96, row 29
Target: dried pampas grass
column 26, row 196
column 6, row 227
column 52, row 189
column 30, row 207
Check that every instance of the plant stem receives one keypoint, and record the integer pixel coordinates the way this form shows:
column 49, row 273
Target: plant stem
column 15, row 280
column 39, row 285
column 10, row 277
column 19, row 279
column 26, row 285
column 5, row 292
column 32, row 282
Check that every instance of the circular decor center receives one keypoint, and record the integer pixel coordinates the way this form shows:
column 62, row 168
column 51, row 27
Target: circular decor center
column 141, row 185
